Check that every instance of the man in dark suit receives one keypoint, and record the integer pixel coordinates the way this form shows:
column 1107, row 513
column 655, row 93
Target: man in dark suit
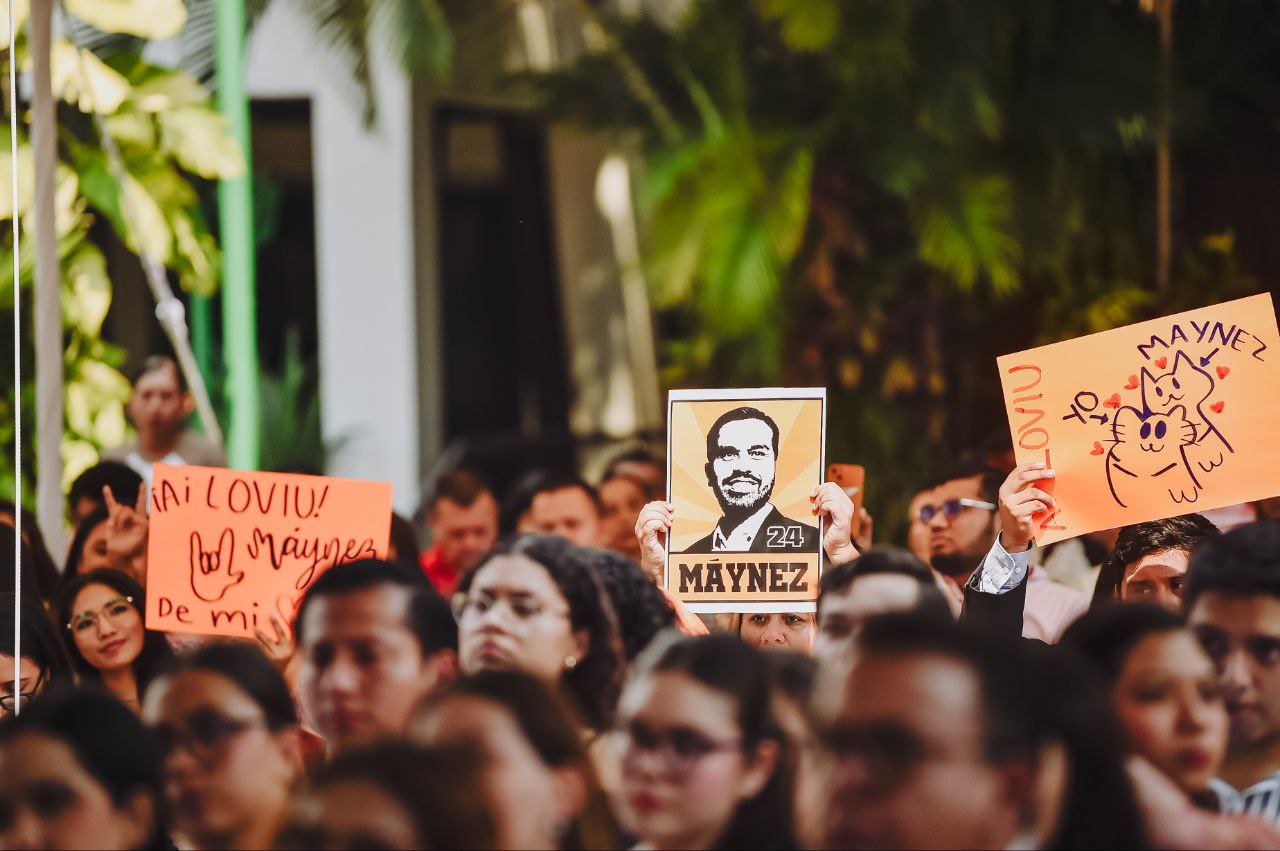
column 742, row 458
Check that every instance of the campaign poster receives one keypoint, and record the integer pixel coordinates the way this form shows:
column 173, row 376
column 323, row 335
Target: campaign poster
column 741, row 465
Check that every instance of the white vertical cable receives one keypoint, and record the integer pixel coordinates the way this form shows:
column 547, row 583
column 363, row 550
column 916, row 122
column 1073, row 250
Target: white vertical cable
column 17, row 369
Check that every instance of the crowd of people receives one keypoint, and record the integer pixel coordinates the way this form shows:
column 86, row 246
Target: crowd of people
column 528, row 682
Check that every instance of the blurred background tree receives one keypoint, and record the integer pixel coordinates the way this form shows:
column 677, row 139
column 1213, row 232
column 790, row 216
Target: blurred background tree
column 170, row 138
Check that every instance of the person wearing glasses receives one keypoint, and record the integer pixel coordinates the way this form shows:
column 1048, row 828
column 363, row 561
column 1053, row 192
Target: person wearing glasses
column 44, row 662
column 538, row 780
column 534, row 604
column 969, row 508
column 101, row 616
column 77, row 770
column 704, row 763
column 227, row 732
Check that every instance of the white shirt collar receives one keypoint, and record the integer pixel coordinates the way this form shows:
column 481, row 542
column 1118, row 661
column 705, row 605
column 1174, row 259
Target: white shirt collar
column 741, row 538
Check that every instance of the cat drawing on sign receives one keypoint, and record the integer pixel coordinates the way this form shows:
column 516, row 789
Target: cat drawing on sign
column 1188, row 385
column 1151, row 446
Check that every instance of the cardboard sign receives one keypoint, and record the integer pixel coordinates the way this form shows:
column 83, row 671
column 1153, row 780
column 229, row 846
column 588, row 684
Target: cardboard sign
column 227, row 549
column 741, row 465
column 1157, row 419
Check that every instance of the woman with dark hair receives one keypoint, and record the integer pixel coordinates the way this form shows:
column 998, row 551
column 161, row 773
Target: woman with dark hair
column 641, row 608
column 537, row 776
column 534, row 604
column 1149, row 562
column 228, row 735
column 101, row 613
column 77, row 770
column 43, row 568
column 392, row 795
column 88, row 549
column 44, row 661
column 795, row 631
column 1163, row 687
column 704, row 764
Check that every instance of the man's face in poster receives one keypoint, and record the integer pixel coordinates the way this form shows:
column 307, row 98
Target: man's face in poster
column 742, row 467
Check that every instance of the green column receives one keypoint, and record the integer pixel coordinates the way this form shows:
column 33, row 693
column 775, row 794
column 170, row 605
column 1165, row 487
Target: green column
column 235, row 218
column 200, row 323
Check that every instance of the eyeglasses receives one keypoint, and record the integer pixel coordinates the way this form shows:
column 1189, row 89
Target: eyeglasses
column 952, row 507
column 8, row 702
column 523, row 606
column 204, row 734
column 679, row 749
column 114, row 611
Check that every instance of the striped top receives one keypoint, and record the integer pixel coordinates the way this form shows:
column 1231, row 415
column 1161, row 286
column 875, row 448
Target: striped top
column 1262, row 799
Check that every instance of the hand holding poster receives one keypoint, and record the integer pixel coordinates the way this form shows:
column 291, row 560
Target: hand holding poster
column 228, row 549
column 741, row 466
column 1161, row 418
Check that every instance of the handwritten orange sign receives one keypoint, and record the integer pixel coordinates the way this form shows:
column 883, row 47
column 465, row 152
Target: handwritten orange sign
column 227, row 549
column 1167, row 417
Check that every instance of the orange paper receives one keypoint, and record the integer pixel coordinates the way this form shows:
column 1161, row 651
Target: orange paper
column 1167, row 417
column 227, row 549
column 744, row 537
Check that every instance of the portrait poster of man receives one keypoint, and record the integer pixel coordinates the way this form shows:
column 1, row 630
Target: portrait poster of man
column 741, row 467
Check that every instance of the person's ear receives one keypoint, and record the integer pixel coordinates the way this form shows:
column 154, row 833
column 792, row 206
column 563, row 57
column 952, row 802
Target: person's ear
column 439, row 669
column 1052, row 773
column 139, row 815
column 188, row 404
column 289, row 740
column 711, row 475
column 581, row 644
column 1020, row 791
column 759, row 768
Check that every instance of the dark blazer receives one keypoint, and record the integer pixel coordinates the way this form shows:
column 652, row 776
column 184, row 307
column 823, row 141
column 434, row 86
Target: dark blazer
column 808, row 535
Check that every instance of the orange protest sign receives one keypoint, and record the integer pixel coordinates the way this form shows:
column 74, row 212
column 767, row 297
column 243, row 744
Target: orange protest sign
column 1153, row 420
column 227, row 548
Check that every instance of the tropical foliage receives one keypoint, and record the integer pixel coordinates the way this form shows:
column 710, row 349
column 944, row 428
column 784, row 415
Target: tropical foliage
column 169, row 137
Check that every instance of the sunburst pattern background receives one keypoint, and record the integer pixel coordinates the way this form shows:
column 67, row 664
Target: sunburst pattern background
column 799, row 468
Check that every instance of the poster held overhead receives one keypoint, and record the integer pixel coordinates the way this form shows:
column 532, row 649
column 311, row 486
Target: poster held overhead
column 1161, row 418
column 228, row 549
column 741, row 465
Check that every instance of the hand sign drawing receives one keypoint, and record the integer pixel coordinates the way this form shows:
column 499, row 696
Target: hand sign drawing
column 211, row 574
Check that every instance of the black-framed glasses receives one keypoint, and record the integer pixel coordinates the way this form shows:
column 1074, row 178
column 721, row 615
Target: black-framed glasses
column 204, row 733
column 523, row 607
column 19, row 700
column 113, row 611
column 952, row 507
column 679, row 748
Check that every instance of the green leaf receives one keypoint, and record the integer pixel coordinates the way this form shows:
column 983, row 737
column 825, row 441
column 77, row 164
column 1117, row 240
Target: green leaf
column 807, row 25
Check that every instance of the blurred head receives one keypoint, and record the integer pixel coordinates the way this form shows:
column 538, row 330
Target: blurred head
column 47, row 577
column 880, row 581
column 100, row 613
column 160, row 403
column 703, row 760
column 790, row 631
column 917, row 529
column 927, row 741
column 392, row 795
column 642, row 610
column 227, row 731
column 534, row 604
column 463, row 516
column 1163, row 688
column 621, row 499
column 44, row 662
column 1232, row 602
column 960, row 533
column 567, row 506
column 374, row 638
column 85, row 494
column 742, row 458
column 402, row 546
column 1149, row 562
column 537, row 778
column 89, row 546
column 77, row 770
column 641, row 465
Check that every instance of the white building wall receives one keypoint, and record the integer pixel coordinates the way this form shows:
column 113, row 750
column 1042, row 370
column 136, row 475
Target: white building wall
column 364, row 244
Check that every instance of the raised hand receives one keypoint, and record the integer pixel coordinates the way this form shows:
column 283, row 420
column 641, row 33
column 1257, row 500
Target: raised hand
column 127, row 528
column 279, row 649
column 1020, row 501
column 833, row 505
column 652, row 527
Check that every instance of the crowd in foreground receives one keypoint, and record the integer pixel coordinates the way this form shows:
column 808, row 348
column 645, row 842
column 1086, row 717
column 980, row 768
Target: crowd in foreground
column 526, row 682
